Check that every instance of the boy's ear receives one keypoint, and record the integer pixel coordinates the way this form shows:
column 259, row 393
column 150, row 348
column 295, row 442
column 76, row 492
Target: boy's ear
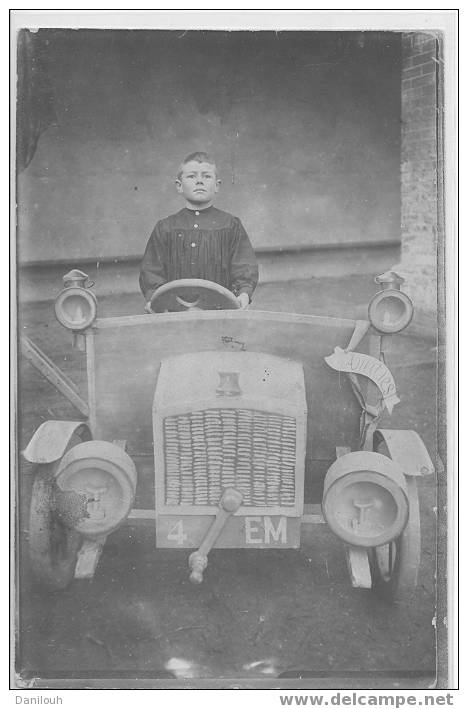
column 217, row 185
column 178, row 185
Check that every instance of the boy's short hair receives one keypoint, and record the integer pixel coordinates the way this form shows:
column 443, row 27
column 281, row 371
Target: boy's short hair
column 199, row 156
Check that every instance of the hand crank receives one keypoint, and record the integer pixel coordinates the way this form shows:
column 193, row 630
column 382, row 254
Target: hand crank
column 229, row 503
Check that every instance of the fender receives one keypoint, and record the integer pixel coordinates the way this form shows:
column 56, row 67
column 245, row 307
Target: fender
column 51, row 439
column 407, row 449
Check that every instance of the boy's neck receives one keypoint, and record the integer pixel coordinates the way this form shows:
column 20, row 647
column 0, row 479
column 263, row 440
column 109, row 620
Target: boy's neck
column 197, row 207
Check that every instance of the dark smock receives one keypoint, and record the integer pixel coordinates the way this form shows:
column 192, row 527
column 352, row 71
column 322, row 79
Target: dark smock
column 206, row 243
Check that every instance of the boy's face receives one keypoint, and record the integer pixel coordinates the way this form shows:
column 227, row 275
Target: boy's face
column 198, row 183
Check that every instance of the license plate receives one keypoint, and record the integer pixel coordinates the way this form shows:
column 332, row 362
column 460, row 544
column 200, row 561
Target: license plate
column 244, row 532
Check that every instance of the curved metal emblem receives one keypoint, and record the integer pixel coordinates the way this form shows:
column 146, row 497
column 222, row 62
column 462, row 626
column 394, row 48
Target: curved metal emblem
column 374, row 369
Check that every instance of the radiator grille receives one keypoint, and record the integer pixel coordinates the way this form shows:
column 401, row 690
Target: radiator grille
column 207, row 451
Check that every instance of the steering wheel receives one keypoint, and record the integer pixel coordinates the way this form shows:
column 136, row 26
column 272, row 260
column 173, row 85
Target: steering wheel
column 192, row 294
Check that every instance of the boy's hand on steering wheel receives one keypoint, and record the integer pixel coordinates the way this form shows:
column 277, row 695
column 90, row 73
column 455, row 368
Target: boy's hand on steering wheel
column 243, row 300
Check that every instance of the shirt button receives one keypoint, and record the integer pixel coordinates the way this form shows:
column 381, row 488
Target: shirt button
column 193, row 244
column 195, row 226
column 197, row 214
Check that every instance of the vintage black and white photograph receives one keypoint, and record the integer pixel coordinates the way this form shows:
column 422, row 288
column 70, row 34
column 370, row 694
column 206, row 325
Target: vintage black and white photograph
column 230, row 462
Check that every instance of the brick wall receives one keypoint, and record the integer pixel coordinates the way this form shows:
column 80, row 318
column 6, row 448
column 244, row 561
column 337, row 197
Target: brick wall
column 419, row 163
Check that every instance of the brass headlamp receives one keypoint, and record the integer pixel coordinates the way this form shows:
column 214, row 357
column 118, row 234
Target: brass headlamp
column 76, row 305
column 390, row 310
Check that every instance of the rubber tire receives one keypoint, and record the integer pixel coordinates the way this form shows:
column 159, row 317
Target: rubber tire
column 53, row 547
column 399, row 582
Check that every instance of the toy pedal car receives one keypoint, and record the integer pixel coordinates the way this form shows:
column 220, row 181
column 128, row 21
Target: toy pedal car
column 232, row 429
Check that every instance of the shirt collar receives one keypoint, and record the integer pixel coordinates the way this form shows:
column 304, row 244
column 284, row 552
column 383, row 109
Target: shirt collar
column 200, row 211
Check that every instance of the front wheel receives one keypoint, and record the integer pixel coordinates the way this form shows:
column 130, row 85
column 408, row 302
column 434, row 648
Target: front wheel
column 53, row 547
column 395, row 566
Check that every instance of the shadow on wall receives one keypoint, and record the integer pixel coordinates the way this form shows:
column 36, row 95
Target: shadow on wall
column 44, row 282
column 305, row 127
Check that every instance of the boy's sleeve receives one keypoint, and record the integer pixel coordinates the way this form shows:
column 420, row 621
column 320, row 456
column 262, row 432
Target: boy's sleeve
column 153, row 270
column 244, row 268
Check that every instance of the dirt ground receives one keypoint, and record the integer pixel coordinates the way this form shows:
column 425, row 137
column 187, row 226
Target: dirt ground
column 258, row 616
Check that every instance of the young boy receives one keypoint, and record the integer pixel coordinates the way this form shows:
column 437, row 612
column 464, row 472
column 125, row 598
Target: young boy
column 200, row 241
